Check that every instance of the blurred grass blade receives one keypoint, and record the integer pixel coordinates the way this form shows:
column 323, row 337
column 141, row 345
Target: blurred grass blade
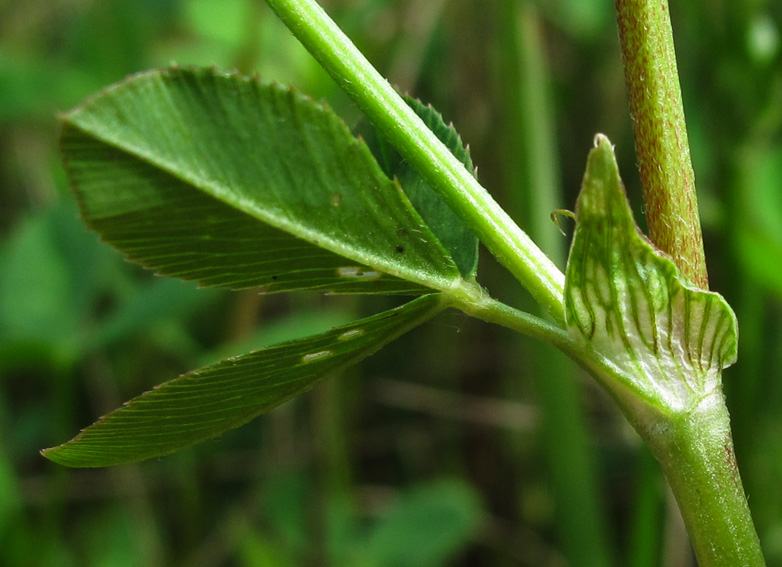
column 526, row 126
column 668, row 339
column 455, row 235
column 206, row 402
column 758, row 223
column 232, row 182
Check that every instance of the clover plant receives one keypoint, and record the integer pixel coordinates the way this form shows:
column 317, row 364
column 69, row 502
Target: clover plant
column 234, row 182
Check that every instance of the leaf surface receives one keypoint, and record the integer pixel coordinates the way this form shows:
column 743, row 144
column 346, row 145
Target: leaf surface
column 232, row 182
column 668, row 339
column 206, row 402
column 455, row 235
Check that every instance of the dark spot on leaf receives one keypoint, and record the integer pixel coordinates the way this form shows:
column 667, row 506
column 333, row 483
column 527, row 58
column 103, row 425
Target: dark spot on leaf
column 400, row 249
column 274, row 278
column 402, row 232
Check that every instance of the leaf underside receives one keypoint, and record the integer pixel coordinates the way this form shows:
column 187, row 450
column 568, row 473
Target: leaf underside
column 455, row 235
column 668, row 339
column 206, row 402
column 232, row 182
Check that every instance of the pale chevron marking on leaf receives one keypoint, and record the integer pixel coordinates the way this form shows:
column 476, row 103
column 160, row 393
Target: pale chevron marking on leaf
column 207, row 402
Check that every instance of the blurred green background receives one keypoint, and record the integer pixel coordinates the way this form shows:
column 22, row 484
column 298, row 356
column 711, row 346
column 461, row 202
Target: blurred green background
column 460, row 444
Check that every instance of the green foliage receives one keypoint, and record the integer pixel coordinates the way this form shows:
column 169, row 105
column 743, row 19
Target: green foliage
column 759, row 226
column 113, row 331
column 433, row 520
column 48, row 301
column 234, row 183
column 457, row 238
column 206, row 402
column 38, row 305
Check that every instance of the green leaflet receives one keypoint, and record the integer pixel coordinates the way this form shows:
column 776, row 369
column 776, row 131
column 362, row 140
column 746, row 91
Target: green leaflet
column 232, row 182
column 206, row 402
column 455, row 235
column 666, row 339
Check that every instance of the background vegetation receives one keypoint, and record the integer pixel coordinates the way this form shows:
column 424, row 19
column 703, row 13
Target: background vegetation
column 459, row 444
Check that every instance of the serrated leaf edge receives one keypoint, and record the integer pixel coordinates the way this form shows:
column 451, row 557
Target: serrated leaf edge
column 332, row 244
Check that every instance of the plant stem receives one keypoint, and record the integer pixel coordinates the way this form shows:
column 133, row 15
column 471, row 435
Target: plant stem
column 531, row 176
column 419, row 146
column 661, row 143
column 490, row 310
column 695, row 449
column 696, row 453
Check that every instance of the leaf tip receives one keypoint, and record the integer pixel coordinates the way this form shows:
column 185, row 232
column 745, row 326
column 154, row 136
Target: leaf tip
column 603, row 149
column 602, row 189
column 602, row 140
column 54, row 454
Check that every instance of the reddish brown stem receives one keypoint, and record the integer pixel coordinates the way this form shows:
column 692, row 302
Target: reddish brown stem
column 661, row 144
